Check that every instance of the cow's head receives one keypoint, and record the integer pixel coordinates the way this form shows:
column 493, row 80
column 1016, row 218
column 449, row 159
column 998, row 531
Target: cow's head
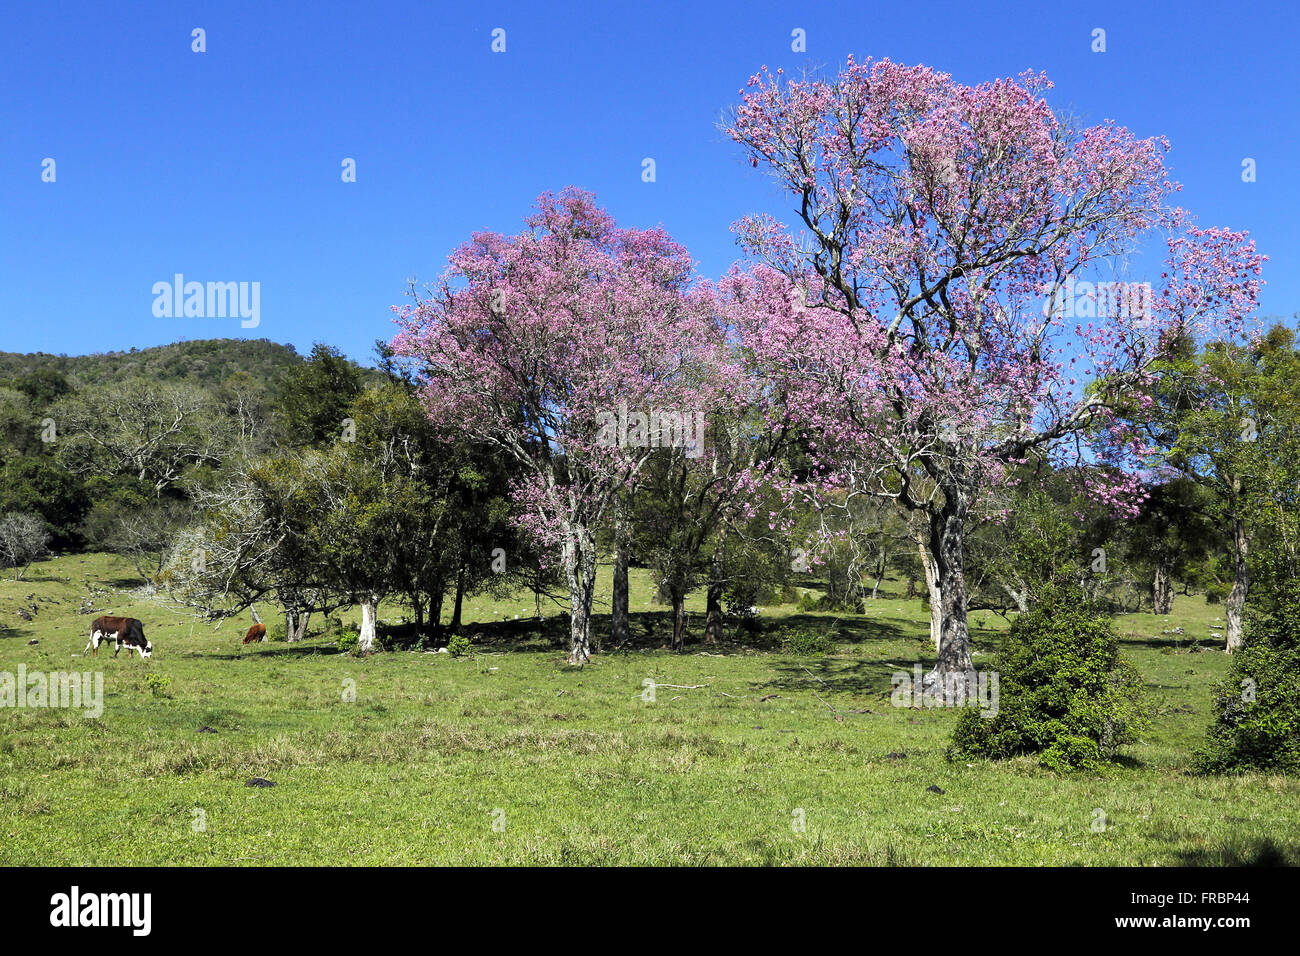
column 147, row 650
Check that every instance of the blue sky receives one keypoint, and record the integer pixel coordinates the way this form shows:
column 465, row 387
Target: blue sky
column 225, row 165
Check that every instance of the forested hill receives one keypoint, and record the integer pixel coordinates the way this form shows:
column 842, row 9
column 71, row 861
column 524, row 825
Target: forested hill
column 200, row 361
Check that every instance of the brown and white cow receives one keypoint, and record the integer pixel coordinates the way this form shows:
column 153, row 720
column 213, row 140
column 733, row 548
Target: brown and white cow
column 120, row 630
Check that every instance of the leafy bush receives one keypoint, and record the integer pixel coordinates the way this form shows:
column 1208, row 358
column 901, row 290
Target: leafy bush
column 1065, row 694
column 808, row 601
column 811, row 601
column 805, row 642
column 1257, row 706
column 158, row 685
column 349, row 636
column 276, row 631
column 460, row 646
column 1215, row 592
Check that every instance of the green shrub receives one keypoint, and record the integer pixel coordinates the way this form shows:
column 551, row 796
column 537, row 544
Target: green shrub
column 1257, row 706
column 276, row 631
column 460, row 646
column 349, row 636
column 806, row 643
column 1065, row 694
column 158, row 685
column 1215, row 593
column 811, row 601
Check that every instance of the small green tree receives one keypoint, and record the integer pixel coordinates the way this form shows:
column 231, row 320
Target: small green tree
column 314, row 398
column 1065, row 694
column 1257, row 706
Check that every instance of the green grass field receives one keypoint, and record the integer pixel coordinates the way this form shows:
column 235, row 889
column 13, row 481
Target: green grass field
column 511, row 756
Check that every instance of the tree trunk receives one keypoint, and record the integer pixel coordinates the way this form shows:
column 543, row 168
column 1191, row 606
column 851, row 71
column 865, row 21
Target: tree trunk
column 366, row 643
column 580, row 573
column 460, row 600
column 932, row 588
column 678, row 596
column 295, row 624
column 713, row 631
column 1240, row 584
column 418, row 606
column 881, row 565
column 948, row 549
column 435, row 610
column 1021, row 597
column 1162, row 590
column 620, row 631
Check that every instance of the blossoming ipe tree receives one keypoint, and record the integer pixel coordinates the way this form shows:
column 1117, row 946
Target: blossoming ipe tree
column 530, row 343
column 917, row 315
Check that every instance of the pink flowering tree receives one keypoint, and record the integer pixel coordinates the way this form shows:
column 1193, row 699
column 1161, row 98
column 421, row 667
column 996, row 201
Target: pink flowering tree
column 562, row 346
column 946, row 305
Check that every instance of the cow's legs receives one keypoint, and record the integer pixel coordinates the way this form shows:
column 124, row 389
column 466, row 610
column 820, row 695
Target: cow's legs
column 95, row 638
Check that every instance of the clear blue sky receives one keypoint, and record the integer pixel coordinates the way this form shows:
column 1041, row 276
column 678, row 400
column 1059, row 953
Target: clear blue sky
column 225, row 165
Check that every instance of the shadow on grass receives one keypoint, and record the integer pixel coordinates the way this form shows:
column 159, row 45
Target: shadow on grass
column 650, row 630
column 275, row 649
column 124, row 582
column 859, row 678
column 1175, row 642
column 1259, row 851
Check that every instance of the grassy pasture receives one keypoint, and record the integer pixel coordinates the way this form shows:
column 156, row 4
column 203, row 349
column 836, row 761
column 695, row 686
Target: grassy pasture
column 511, row 756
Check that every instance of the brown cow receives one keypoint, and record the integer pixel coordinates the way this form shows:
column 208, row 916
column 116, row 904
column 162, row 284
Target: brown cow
column 120, row 630
column 258, row 631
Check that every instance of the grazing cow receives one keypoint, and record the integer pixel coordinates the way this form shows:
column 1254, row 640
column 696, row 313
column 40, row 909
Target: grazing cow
column 255, row 633
column 120, row 630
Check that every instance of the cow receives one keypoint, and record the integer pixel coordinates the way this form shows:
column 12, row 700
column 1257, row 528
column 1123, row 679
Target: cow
column 120, row 630
column 257, row 632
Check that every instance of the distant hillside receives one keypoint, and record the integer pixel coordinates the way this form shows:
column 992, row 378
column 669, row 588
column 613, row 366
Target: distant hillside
column 202, row 361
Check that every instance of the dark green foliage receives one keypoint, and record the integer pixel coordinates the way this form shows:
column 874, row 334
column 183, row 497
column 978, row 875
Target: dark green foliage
column 40, row 485
column 1257, row 707
column 202, row 361
column 460, row 646
column 806, row 642
column 316, row 396
column 41, row 384
column 1065, row 694
column 1216, row 592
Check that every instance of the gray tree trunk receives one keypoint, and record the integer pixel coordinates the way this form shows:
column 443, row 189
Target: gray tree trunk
column 932, row 588
column 366, row 642
column 580, row 573
column 1240, row 585
column 1162, row 589
column 679, row 618
column 947, row 546
column 295, row 624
